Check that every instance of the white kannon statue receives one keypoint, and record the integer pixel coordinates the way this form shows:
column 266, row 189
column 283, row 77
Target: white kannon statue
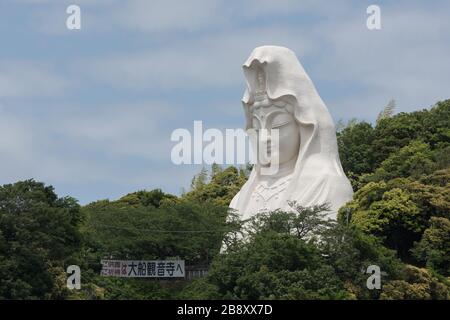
column 280, row 95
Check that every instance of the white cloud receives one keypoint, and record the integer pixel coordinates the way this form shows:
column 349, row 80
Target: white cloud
column 164, row 17
column 137, row 130
column 208, row 61
column 167, row 15
column 406, row 60
column 25, row 78
column 15, row 145
column 70, row 146
column 156, row 16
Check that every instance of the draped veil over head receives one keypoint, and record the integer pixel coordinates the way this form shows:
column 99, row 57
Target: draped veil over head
column 317, row 176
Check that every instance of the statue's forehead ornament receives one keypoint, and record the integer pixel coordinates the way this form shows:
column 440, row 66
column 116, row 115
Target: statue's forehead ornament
column 260, row 93
column 261, row 99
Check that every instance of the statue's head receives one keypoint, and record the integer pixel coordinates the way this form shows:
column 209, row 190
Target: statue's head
column 274, row 123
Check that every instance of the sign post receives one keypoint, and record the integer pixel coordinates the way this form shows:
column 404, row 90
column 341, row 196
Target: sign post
column 143, row 269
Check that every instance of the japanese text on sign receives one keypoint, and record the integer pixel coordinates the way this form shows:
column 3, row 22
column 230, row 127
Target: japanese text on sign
column 143, row 269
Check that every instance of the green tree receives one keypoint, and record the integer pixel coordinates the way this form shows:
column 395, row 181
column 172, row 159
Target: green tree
column 393, row 133
column 413, row 160
column 355, row 148
column 184, row 228
column 145, row 198
column 387, row 213
column 434, row 247
column 39, row 238
column 276, row 261
column 199, row 180
column 418, row 284
column 387, row 112
column 222, row 187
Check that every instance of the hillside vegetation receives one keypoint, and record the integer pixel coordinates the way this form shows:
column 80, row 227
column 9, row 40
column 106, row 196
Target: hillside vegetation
column 399, row 220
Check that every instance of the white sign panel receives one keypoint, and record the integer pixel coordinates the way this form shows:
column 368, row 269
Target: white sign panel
column 143, row 269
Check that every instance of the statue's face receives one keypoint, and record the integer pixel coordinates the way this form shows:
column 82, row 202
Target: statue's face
column 288, row 145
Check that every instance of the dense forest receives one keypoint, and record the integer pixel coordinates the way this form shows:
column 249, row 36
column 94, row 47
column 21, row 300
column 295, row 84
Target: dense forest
column 399, row 220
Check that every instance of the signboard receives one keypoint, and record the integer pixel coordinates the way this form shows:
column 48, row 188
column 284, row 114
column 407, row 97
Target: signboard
column 143, row 269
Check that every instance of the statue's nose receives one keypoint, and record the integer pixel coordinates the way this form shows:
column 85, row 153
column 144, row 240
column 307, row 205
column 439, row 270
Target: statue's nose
column 265, row 136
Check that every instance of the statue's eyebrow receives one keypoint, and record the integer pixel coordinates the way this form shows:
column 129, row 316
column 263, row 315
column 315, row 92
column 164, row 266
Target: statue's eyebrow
column 270, row 114
column 267, row 115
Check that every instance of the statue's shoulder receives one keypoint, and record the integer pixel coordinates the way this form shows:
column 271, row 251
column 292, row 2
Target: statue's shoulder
column 234, row 201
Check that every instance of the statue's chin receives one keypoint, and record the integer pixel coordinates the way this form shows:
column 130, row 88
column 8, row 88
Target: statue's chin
column 266, row 165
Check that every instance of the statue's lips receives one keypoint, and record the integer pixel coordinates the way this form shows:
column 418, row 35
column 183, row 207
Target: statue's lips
column 267, row 149
column 266, row 155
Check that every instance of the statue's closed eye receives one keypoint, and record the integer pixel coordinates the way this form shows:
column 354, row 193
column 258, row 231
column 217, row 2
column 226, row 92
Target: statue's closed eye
column 280, row 124
column 273, row 120
column 281, row 119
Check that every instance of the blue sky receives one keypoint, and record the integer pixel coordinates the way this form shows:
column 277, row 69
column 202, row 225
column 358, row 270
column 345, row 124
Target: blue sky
column 91, row 111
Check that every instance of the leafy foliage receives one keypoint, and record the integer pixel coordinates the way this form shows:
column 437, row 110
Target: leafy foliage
column 278, row 262
column 398, row 220
column 387, row 112
column 39, row 237
column 434, row 247
column 419, row 284
column 222, row 187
